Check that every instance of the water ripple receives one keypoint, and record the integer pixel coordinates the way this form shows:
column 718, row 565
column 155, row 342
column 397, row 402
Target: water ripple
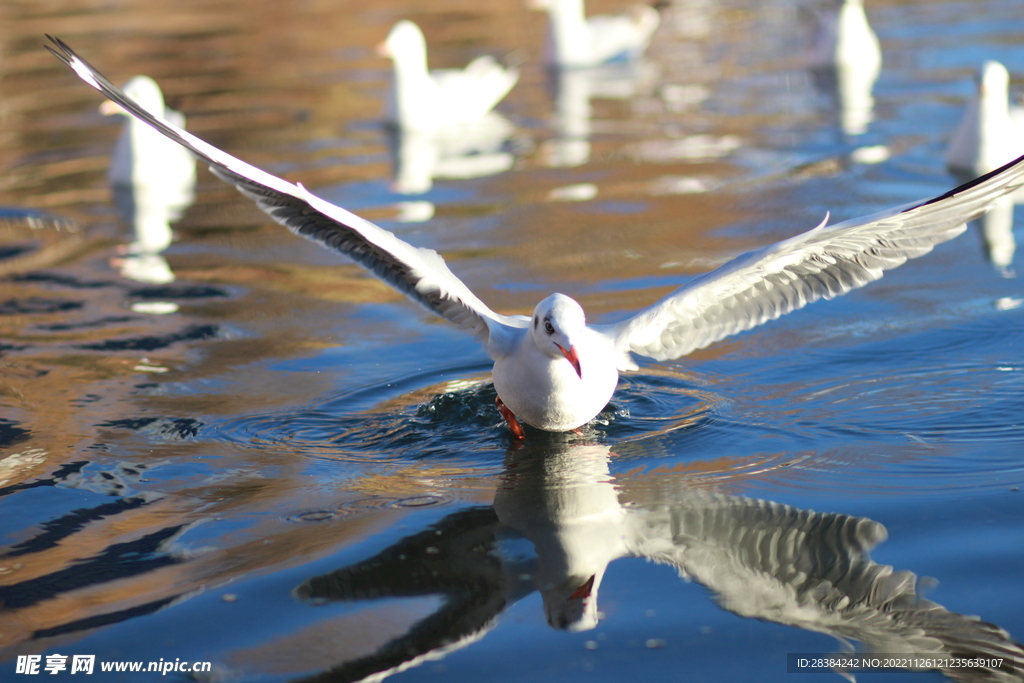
column 455, row 419
column 953, row 403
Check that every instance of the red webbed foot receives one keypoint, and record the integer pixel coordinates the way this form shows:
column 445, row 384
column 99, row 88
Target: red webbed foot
column 510, row 420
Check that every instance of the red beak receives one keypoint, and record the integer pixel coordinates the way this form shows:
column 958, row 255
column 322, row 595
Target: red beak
column 584, row 590
column 571, row 356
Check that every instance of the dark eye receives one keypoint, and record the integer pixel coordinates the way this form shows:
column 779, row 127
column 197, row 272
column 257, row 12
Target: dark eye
column 548, row 326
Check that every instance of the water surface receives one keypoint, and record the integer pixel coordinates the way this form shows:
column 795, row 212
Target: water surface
column 276, row 464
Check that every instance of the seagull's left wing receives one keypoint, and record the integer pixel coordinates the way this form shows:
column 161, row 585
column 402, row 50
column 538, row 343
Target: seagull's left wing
column 820, row 264
column 420, row 274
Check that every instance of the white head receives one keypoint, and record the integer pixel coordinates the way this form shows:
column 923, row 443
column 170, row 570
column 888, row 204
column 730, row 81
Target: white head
column 994, row 79
column 557, row 321
column 404, row 42
column 144, row 91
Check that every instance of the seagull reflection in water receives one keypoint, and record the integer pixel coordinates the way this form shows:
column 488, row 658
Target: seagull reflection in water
column 470, row 150
column 760, row 559
column 574, row 89
column 597, row 57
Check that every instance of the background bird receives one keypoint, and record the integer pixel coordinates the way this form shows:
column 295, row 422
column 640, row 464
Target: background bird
column 581, row 41
column 428, row 100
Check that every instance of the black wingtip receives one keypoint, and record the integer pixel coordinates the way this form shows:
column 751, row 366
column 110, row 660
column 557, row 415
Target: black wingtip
column 62, row 56
column 59, row 43
column 977, row 181
column 95, row 78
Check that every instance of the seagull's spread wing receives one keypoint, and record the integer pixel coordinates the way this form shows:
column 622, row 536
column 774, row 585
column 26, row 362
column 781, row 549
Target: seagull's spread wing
column 421, row 274
column 822, row 263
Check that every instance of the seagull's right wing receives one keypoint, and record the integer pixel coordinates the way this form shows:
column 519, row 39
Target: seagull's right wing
column 420, row 274
column 820, row 264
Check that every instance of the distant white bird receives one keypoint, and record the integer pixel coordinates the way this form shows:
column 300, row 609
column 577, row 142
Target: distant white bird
column 991, row 132
column 427, row 100
column 552, row 370
column 843, row 35
column 845, row 59
column 578, row 41
column 142, row 156
column 152, row 180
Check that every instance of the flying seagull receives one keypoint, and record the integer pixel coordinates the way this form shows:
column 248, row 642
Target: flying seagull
column 552, row 370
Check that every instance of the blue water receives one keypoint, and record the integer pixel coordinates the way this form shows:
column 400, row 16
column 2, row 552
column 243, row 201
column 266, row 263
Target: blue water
column 295, row 474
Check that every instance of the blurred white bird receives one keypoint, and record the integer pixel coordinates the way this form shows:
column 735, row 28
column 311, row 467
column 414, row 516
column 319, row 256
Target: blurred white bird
column 845, row 59
column 143, row 156
column 152, row 180
column 428, row 100
column 990, row 133
column 578, row 41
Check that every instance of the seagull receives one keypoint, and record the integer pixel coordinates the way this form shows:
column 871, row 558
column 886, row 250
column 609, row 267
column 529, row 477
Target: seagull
column 141, row 155
column 991, row 132
column 428, row 100
column 582, row 42
column 844, row 36
column 845, row 59
column 552, row 370
column 152, row 180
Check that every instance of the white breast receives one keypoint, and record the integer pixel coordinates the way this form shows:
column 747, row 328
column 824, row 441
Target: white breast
column 546, row 393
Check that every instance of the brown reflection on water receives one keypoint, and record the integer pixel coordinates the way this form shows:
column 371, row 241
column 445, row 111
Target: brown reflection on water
column 299, row 90
column 271, row 543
